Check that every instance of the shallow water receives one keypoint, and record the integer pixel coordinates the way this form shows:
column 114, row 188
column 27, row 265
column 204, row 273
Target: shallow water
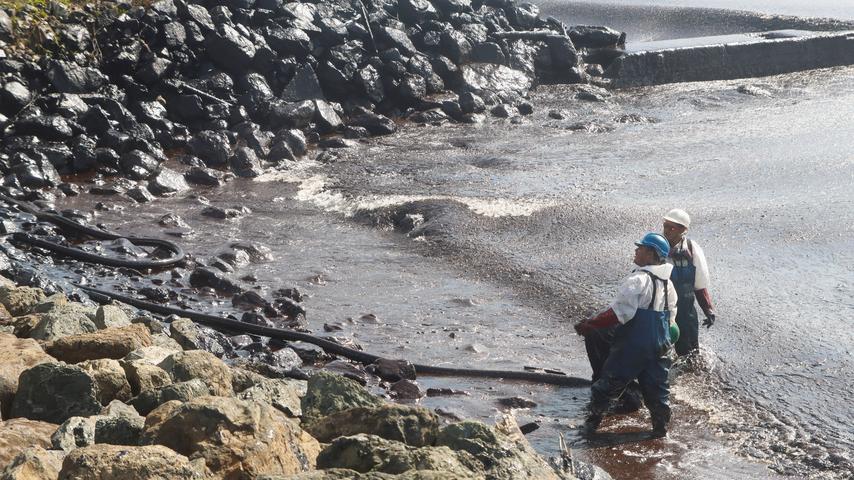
column 478, row 245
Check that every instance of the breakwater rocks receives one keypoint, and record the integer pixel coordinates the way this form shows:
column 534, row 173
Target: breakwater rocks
column 107, row 394
column 240, row 84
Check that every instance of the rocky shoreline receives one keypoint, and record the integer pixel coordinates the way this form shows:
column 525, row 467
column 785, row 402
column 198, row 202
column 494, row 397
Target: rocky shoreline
column 105, row 392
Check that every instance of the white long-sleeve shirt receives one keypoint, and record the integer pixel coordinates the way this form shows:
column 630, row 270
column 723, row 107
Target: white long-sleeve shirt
column 636, row 292
column 701, row 275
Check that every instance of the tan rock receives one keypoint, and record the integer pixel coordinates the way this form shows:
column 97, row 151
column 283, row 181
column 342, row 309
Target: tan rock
column 190, row 364
column 108, row 343
column 25, row 324
column 119, row 462
column 152, row 355
column 238, row 439
column 16, row 355
column 284, row 394
column 110, row 379
column 416, row 426
column 144, row 376
column 34, row 463
column 19, row 434
column 19, row 300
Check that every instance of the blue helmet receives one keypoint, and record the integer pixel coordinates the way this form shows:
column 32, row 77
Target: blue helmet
column 657, row 242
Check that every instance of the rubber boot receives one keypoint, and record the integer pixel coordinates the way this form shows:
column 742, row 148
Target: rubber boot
column 660, row 419
column 591, row 424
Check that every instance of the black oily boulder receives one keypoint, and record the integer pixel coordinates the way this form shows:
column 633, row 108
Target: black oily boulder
column 165, row 8
column 34, row 172
column 254, row 137
column 304, row 86
column 564, row 56
column 187, row 107
column 285, row 114
column 245, row 163
column 280, row 151
column 84, row 155
column 154, row 114
column 152, row 70
column 376, row 123
column 394, row 38
column 167, row 182
column 214, row 148
column 525, row 16
column 70, row 105
column 413, row 88
column 584, row 36
column 223, row 213
column 7, row 29
column 325, row 116
column 204, row 176
column 138, row 165
column 68, row 77
column 288, row 41
column 449, row 7
column 198, row 15
column 140, row 194
column 174, row 35
column 488, row 52
column 58, row 154
column 255, row 85
column 55, row 392
column 371, row 83
column 456, row 46
column 14, row 96
column 230, row 49
column 204, row 277
column 96, row 121
column 44, row 127
column 417, row 11
column 296, row 141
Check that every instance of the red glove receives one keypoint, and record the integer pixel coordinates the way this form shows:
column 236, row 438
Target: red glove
column 604, row 320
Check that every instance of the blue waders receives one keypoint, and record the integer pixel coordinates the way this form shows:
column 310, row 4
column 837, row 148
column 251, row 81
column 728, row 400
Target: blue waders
column 639, row 352
column 686, row 314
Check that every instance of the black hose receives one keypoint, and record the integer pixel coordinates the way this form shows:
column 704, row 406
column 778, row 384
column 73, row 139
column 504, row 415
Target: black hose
column 332, row 347
column 177, row 253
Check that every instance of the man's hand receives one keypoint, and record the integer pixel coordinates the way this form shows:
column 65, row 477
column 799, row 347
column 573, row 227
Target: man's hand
column 583, row 328
column 709, row 321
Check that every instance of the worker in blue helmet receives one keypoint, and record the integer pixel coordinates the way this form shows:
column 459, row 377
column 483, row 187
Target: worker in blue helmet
column 641, row 314
column 691, row 279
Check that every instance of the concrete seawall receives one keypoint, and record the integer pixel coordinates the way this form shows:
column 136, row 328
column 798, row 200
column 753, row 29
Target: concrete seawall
column 726, row 58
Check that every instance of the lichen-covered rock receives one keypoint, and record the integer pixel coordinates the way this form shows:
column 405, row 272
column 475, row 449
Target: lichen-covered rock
column 49, row 303
column 119, row 462
column 144, row 376
column 192, row 336
column 119, row 424
column 55, row 392
column 284, row 394
column 110, row 379
column 415, row 426
column 190, row 364
column 115, row 342
column 237, row 439
column 20, row 300
column 19, row 434
column 148, row 400
column 74, row 433
column 16, row 355
column 330, row 393
column 62, row 321
column 502, row 456
column 370, row 453
column 110, row 316
column 152, row 355
column 34, row 463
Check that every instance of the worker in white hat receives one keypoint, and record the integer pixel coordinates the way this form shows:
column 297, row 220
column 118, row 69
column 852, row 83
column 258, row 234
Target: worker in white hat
column 690, row 277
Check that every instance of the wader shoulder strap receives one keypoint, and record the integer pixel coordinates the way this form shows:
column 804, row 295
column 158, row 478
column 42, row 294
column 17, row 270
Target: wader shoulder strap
column 653, row 279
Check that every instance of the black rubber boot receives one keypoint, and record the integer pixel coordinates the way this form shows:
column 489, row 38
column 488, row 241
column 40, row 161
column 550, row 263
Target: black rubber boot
column 591, row 424
column 659, row 428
